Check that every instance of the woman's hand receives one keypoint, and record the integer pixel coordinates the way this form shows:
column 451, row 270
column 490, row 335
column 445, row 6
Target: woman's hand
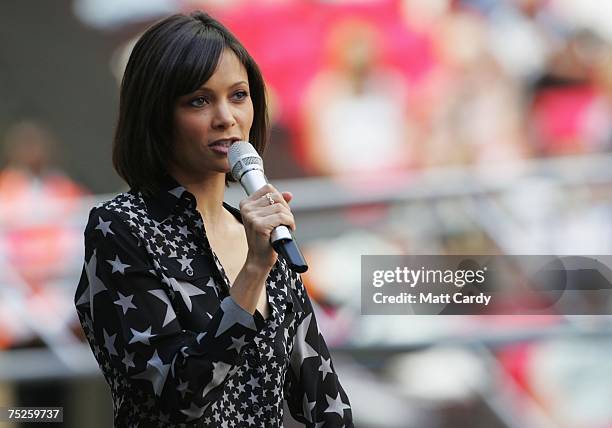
column 260, row 217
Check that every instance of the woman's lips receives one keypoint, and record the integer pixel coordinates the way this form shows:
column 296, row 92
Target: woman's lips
column 221, row 147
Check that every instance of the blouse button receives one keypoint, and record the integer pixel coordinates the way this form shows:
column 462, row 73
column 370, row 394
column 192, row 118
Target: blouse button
column 255, row 407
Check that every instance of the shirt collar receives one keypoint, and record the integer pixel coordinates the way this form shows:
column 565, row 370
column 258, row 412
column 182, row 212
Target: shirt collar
column 170, row 198
column 173, row 197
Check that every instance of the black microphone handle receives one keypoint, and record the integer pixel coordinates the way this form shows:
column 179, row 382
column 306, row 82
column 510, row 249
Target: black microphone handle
column 290, row 251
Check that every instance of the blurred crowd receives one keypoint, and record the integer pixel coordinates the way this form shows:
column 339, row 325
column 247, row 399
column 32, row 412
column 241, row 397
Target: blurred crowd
column 39, row 240
column 381, row 91
column 388, row 85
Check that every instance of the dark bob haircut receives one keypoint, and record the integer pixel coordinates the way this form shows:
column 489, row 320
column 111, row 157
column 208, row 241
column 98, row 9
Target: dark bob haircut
column 173, row 58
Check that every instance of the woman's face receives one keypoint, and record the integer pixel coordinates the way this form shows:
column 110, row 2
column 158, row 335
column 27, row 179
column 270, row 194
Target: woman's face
column 208, row 120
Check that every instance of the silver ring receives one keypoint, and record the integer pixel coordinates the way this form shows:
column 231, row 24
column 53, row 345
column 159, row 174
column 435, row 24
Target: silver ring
column 270, row 199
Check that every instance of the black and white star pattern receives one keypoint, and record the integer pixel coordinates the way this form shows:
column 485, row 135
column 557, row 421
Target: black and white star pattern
column 174, row 347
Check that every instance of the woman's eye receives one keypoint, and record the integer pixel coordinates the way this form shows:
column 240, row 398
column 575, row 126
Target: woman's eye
column 240, row 95
column 198, row 102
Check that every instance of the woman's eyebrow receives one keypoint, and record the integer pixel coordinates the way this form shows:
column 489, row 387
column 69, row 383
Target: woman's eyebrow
column 205, row 88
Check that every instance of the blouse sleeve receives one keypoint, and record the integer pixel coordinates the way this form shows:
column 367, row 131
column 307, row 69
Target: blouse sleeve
column 133, row 330
column 312, row 389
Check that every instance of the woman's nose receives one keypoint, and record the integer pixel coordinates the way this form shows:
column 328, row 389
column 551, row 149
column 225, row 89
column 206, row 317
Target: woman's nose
column 224, row 117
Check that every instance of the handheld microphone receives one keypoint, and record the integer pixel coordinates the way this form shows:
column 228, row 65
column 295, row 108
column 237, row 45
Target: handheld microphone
column 247, row 168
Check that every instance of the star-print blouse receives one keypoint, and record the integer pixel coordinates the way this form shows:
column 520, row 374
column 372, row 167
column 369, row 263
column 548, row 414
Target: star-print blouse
column 174, row 347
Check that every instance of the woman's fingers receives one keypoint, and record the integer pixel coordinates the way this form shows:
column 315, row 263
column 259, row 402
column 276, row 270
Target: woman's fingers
column 267, row 195
column 267, row 188
column 282, row 217
column 275, row 215
column 266, row 209
column 271, row 198
column 268, row 223
column 269, row 211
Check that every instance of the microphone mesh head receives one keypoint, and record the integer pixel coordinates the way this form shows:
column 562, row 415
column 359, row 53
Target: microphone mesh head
column 240, row 155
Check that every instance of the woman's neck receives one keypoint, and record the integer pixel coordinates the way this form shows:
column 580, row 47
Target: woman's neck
column 209, row 192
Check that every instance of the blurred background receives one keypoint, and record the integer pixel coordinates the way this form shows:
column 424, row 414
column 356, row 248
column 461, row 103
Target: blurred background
column 401, row 127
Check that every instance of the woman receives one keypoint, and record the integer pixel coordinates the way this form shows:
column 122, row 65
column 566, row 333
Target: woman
column 191, row 316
